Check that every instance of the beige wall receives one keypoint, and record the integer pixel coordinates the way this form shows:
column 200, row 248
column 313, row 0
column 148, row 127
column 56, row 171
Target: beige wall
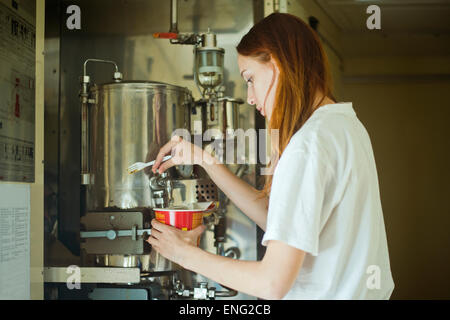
column 398, row 84
column 408, row 125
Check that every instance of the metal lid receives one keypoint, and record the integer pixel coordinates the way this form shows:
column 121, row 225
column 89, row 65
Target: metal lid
column 135, row 84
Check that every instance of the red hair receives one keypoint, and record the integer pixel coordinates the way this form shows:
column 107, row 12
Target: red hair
column 304, row 71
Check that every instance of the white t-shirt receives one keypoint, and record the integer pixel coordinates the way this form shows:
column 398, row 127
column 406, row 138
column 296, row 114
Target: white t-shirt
column 325, row 201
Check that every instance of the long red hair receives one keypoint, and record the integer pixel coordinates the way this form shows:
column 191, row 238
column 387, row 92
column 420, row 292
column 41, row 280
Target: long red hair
column 304, row 71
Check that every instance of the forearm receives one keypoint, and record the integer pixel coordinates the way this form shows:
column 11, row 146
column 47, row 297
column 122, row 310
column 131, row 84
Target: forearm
column 250, row 277
column 243, row 195
column 270, row 278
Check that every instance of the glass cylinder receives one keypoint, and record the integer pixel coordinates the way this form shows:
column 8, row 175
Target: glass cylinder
column 209, row 67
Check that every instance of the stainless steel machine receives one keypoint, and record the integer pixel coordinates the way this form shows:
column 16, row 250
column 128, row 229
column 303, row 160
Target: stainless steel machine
column 125, row 121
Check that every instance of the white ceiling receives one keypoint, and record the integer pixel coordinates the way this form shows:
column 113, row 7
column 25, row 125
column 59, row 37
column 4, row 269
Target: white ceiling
column 397, row 16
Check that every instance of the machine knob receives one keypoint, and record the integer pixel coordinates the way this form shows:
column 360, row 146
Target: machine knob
column 111, row 234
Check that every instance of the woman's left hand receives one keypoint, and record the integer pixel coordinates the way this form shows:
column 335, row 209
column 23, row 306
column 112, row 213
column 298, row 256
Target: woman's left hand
column 171, row 242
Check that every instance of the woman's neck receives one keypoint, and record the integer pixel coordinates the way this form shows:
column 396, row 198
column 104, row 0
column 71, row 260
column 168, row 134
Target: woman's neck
column 320, row 101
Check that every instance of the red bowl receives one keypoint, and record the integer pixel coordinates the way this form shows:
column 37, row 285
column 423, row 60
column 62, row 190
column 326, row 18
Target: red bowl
column 184, row 218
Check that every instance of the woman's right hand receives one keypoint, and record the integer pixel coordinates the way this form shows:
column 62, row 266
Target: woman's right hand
column 183, row 153
column 243, row 195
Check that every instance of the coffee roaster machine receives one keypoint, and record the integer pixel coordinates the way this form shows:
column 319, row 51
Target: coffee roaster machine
column 128, row 121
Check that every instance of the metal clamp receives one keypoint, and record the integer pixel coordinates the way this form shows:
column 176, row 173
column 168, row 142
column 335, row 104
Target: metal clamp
column 113, row 234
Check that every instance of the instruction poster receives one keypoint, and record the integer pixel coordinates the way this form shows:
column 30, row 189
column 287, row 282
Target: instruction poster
column 14, row 241
column 17, row 96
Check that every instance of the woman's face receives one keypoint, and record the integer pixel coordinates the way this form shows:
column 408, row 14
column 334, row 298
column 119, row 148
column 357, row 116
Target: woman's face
column 262, row 81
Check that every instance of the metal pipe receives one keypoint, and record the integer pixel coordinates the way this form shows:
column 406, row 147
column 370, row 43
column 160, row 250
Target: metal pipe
column 228, row 293
column 173, row 16
column 220, row 248
column 220, row 230
column 84, row 99
column 99, row 60
column 276, row 5
column 84, row 144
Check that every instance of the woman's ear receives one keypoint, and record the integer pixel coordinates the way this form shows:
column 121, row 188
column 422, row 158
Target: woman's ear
column 275, row 65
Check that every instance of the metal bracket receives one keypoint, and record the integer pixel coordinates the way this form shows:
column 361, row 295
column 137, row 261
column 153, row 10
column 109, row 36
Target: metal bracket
column 113, row 234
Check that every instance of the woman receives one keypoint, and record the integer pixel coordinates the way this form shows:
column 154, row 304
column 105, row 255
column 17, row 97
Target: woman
column 324, row 227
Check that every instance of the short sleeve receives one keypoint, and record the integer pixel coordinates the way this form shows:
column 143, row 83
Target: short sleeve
column 297, row 197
